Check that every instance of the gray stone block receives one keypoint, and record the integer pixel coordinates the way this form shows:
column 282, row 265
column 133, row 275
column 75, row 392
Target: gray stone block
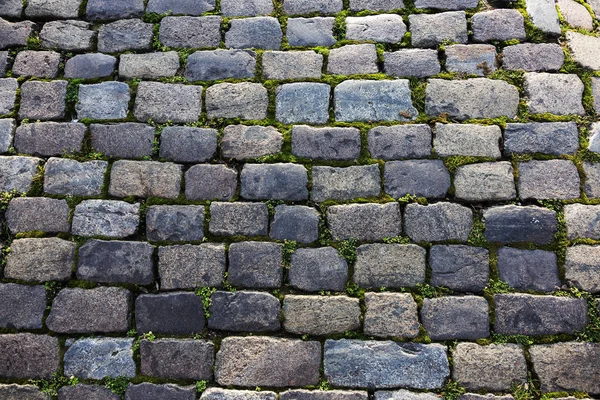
column 554, row 138
column 256, row 32
column 575, row 14
column 403, row 394
column 326, row 143
column 310, row 32
column 216, row 393
column 4, row 61
column 7, row 130
column 582, row 221
column 114, row 9
column 274, row 181
column 391, row 315
column 98, row 358
column 24, row 306
column 11, row 8
column 417, row 63
column 467, row 140
column 456, row 317
column 234, row 8
column 583, row 48
column 187, row 7
column 501, row 24
column 28, row 356
column 318, row 315
column 214, row 65
column 314, row 269
column 475, row 59
column 242, row 142
column 238, row 219
column 15, row 34
column 389, row 265
column 514, row 224
column 104, row 309
column 18, row 173
column 127, row 140
column 125, row 35
column 148, row 66
column 460, row 268
column 303, row 102
column 429, row 30
column 438, row 222
column 549, row 179
column 177, row 313
column 89, row 392
column 282, row 65
column 544, row 16
column 362, row 100
column 245, row 100
column 43, row 100
column 244, row 312
column 559, row 94
column 190, row 32
column 116, row 261
column 582, row 267
column 8, row 95
column 446, row 5
column 594, row 137
column 364, row 222
column 90, row 66
column 72, row 178
column 175, row 223
column 489, row 181
column 188, row 266
column 528, row 269
column 533, row 57
column 293, row 7
column 295, row 223
column 353, row 59
column 103, row 101
column 301, row 394
column 330, row 183
column 592, row 179
column 40, row 260
column 49, row 138
column 26, row 214
column 38, row 64
column 146, row 391
column 255, row 265
column 22, row 392
column 421, row 178
column 166, row 102
column 488, row 396
column 184, row 359
column 400, row 141
column 210, row 182
column 384, row 28
column 188, row 144
column 68, row 35
column 145, row 179
column 106, row 218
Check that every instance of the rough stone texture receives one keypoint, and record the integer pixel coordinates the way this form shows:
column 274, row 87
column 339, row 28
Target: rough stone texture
column 49, row 138
column 189, row 7
column 310, row 32
column 237, row 100
column 220, row 64
column 244, row 312
column 429, row 30
column 269, row 362
column 124, row 35
column 103, row 101
column 73, row 178
column 178, row 313
column 89, row 392
column 421, row 178
column 528, row 269
column 418, row 63
column 467, row 140
column 274, row 181
column 39, row 260
column 544, row 15
column 317, row 315
column 385, row 28
column 583, row 49
column 296, row 223
column 582, row 221
column 127, row 140
column 15, row 34
column 403, row 394
column 524, row 314
column 513, row 224
column 292, row 64
column 26, row 214
column 438, row 222
column 400, row 141
column 554, row 138
column 550, row 179
column 582, row 267
column 592, row 179
column 28, row 356
column 175, row 223
column 345, row 183
column 559, row 94
column 24, row 306
column 216, row 393
column 301, row 394
column 104, row 309
column 364, row 222
column 464, row 317
column 458, row 267
column 471, row 98
column 188, row 266
column 317, row 269
column 533, row 57
column 116, row 262
column 43, row 100
column 385, row 364
column 107, row 218
column 567, row 366
column 210, row 182
column 243, row 142
column 293, row 7
column 502, row 24
column 391, row 315
column 362, row 100
column 353, row 59
column 145, row 179
column 144, row 391
column 255, row 265
column 303, row 102
column 256, row 32
column 11, row 8
column 190, row 32
column 4, row 61
column 39, row 64
column 163, row 102
column 326, row 143
column 68, row 35
column 8, row 95
column 7, row 129
column 187, row 144
column 148, row 66
column 22, row 392
column 97, row 358
column 389, row 265
column 114, row 9
column 594, row 138
column 476, row 59
column 490, row 181
column 243, row 219
column 496, row 367
column 446, row 5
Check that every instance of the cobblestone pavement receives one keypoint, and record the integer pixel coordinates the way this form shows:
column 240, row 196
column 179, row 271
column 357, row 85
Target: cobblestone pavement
column 299, row 199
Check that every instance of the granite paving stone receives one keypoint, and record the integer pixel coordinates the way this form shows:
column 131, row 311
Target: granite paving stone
column 456, row 317
column 211, row 65
column 256, row 32
column 528, row 269
column 488, row 181
column 582, row 266
column 124, row 35
column 107, row 218
column 28, row 356
column 103, row 101
column 175, row 223
column 310, row 32
column 315, row 269
column 364, row 222
column 554, row 138
column 188, row 144
column 24, row 306
column 437, row 222
column 189, row 266
column 551, row 179
column 69, row 35
column 384, row 28
column 400, row 141
column 292, row 64
column 303, row 103
column 210, row 182
column 244, row 311
column 326, row 143
column 90, row 66
column 98, row 358
column 417, row 63
column 185, row 359
column 429, row 30
column 353, row 59
column 38, row 64
column 256, row 265
column 474, row 59
column 389, row 265
column 27, row 214
column 241, row 218
column 421, row 178
column 188, row 7
column 459, row 267
column 190, row 32
column 40, row 259
column 237, row 100
column 43, row 100
column 559, row 94
column 296, row 223
column 124, row 140
column 467, row 140
column 242, row 142
column 164, row 102
column 533, row 57
column 391, row 315
column 175, row 313
column 49, row 138
column 317, row 315
column 345, row 183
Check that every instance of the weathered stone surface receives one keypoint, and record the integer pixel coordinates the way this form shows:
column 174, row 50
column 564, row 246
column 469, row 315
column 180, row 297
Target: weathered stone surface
column 220, row 64
column 345, row 183
column 245, row 100
column 175, row 223
column 244, row 312
column 549, row 179
column 467, row 140
column 7, row 130
column 8, row 95
column 244, row 219
column 22, row 392
column 148, row 66
column 318, row 315
column 446, row 5
column 124, row 35
column 292, row 64
column 269, row 361
column 438, row 222
column 421, row 178
column 256, row 32
column 458, row 267
column 403, row 394
column 554, row 138
column 104, row 309
column 216, row 393
column 501, row 24
column 326, row 143
column 26, row 214
column 128, row 140
column 49, row 138
column 233, row 8
column 559, row 94
column 575, row 14
column 255, row 265
column 191, row 32
column 4, row 61
column 456, row 317
column 592, row 179
column 429, row 30
column 582, row 221
column 544, row 15
column 385, row 28
column 210, row 182
column 301, row 394
column 163, row 102
column 567, row 366
column 496, row 367
column 353, row 59
column 116, row 261
column 594, row 137
column 114, row 9
column 297, row 223
column 144, row 391
column 188, row 266
column 74, row 178
column 188, row 144
column 185, row 359
column 400, row 141
column 391, row 315
column 489, row 181
column 303, row 102
column 524, row 314
column 385, row 364
column 188, row 7
column 24, row 306
column 533, row 57
column 528, row 269
column 418, row 63
column 318, row 269
column 274, row 181
column 15, row 34
column 389, row 265
column 43, row 100
column 309, row 32
column 242, row 142
column 476, row 59
column 25, row 355
column 365, row 222
column 11, row 8
column 178, row 313
column 107, row 218
column 103, row 101
column 312, row 6
column 39, row 64
column 362, row 100
column 488, row 396
column 145, row 179
column 97, row 358
column 68, row 35
column 583, row 49
column 513, row 224
column 471, row 98
column 39, row 260
column 582, row 267
column 88, row 392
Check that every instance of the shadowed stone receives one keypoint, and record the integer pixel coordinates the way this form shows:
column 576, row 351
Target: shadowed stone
column 8, row 95
column 582, row 221
column 317, row 315
column 7, row 130
column 220, row 64
column 188, row 7
column 26, row 214
column 28, row 356
column 24, row 306
column 98, row 358
column 11, row 8
column 528, row 269
column 389, row 265
column 446, row 5
column 13, row 34
column 175, row 223
column 244, row 312
column 592, row 179
column 182, row 359
column 513, row 224
column 22, row 392
column 188, row 266
column 274, row 181
column 39, row 260
column 178, row 313
column 127, row 140
column 74, row 178
column 456, row 317
column 582, row 267
column 364, row 222
column 255, row 264
column 187, row 144
column 391, row 315
column 114, row 9
column 458, row 267
column 107, row 218
column 297, row 223
column 216, row 393
column 400, row 141
column 418, row 63
column 318, row 269
column 301, row 394
column 438, row 222
column 43, row 100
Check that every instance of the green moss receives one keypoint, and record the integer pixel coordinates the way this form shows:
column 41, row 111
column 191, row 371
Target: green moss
column 353, row 290
column 205, row 294
column 477, row 235
column 146, row 336
column 154, row 18
column 452, row 390
column 519, row 339
column 397, row 240
column 51, row 386
column 289, row 247
column 116, row 385
column 347, row 250
column 452, row 163
column 201, row 386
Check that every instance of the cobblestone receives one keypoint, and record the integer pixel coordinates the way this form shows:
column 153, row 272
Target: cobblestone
column 49, row 138
column 307, row 32
column 39, row 260
column 126, row 140
column 438, row 222
column 421, row 178
column 296, row 223
column 317, row 269
column 214, row 65
column 400, row 141
column 391, row 315
column 389, row 265
column 316, row 315
column 183, row 359
column 368, row 222
column 188, row 266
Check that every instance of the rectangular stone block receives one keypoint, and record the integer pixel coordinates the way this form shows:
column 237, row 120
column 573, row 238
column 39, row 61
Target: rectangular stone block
column 245, row 100
column 420, row 178
column 190, row 32
column 26, row 214
column 19, row 173
column 513, row 224
column 282, row 65
column 244, row 311
column 389, row 265
column 99, row 358
column 317, row 315
column 127, row 140
column 548, row 179
column 28, row 356
column 345, row 183
column 456, row 317
column 175, row 223
column 243, row 219
column 554, row 138
column 175, row 313
column 40, row 259
column 214, row 65
column 400, row 141
column 148, row 66
column 458, row 267
column 73, row 178
column 314, row 269
column 181, row 359
column 467, row 140
column 145, row 179
column 255, row 264
column 582, row 267
column 326, row 143
column 274, row 181
column 106, row 218
column 438, row 222
column 189, row 266
column 364, row 222
column 23, row 306
column 49, row 138
column 164, row 102
column 391, row 315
